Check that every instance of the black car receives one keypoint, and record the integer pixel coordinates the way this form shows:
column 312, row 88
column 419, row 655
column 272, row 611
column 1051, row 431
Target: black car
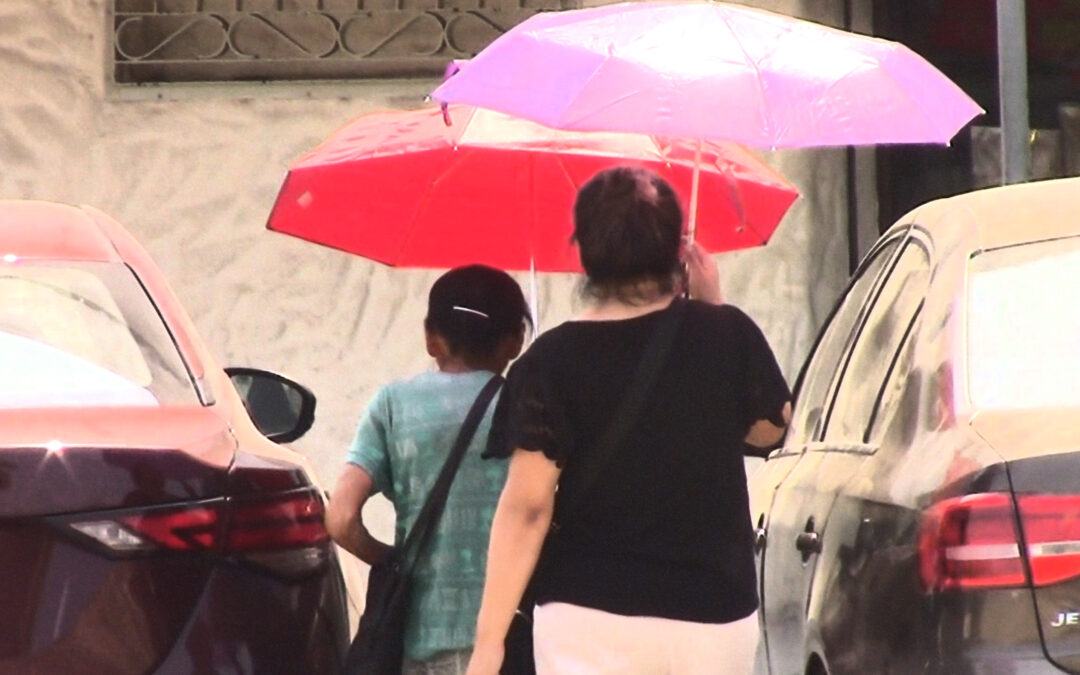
column 923, row 514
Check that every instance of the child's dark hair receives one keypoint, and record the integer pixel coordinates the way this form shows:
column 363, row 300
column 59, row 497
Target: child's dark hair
column 628, row 228
column 474, row 307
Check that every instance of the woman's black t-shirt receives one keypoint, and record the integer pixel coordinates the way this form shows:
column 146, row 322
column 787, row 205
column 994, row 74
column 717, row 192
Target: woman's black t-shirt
column 665, row 531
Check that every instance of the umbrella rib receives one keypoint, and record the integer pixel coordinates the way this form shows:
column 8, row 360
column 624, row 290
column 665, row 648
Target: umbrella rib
column 565, row 123
column 928, row 123
column 574, row 185
column 424, row 199
column 735, row 195
column 753, row 229
column 757, row 77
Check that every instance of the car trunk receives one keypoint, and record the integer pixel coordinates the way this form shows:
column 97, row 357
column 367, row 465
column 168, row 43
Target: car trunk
column 1042, row 452
column 88, row 502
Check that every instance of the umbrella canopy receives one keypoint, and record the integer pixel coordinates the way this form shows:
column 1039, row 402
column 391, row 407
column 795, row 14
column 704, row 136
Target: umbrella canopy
column 711, row 70
column 404, row 188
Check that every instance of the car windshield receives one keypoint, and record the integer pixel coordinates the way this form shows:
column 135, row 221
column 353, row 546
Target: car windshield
column 1023, row 328
column 84, row 334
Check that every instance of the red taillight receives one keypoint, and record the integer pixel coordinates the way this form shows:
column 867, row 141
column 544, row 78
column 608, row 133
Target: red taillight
column 270, row 524
column 1052, row 534
column 264, row 524
column 191, row 528
column 972, row 542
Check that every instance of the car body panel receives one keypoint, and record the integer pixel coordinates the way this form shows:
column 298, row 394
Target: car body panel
column 33, row 230
column 796, row 512
column 164, row 427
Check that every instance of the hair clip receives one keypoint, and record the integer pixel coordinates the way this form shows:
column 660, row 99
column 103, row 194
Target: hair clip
column 470, row 311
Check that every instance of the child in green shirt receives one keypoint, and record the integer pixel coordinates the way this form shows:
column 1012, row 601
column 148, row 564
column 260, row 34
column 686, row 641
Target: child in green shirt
column 474, row 327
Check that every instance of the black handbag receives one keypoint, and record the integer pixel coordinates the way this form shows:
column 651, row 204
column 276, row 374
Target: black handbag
column 518, row 647
column 378, row 646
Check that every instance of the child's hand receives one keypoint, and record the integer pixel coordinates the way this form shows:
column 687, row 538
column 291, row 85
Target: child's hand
column 703, row 275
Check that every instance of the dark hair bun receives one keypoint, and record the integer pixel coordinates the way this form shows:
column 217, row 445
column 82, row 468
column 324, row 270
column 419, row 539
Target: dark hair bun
column 474, row 307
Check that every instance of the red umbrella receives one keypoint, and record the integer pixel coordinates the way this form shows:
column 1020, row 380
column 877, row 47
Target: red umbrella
column 406, row 189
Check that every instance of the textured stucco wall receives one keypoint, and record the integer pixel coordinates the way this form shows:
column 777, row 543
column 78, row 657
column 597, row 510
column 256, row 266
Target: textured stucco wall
column 193, row 171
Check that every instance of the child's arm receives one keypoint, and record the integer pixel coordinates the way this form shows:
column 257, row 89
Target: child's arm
column 344, row 518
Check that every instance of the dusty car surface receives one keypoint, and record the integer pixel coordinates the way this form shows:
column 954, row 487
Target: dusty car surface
column 146, row 523
column 923, row 514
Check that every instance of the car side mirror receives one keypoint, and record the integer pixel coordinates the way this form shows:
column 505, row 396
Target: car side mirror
column 281, row 409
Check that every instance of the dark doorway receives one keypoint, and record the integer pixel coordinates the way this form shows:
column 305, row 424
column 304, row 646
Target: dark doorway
column 960, row 38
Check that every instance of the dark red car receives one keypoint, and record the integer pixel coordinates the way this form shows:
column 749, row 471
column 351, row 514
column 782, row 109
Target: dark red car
column 146, row 523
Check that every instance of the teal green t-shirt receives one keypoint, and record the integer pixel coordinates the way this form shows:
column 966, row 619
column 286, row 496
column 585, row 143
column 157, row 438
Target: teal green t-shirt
column 402, row 441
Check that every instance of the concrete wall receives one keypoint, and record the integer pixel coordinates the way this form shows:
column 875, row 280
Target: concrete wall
column 193, row 171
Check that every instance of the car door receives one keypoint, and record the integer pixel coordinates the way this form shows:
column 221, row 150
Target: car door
column 799, row 519
column 780, row 585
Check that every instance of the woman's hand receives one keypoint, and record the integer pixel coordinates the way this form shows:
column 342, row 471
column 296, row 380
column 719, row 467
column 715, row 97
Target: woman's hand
column 703, row 275
column 486, row 659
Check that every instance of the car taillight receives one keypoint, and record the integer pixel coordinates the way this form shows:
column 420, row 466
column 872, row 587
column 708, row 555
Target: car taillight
column 1052, row 534
column 188, row 528
column 972, row 542
column 283, row 531
column 270, row 524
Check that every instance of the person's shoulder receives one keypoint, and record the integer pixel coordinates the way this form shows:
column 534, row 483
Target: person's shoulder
column 553, row 345
column 407, row 386
column 723, row 315
column 552, row 340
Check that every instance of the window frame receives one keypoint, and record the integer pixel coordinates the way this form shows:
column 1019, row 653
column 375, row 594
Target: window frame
column 895, row 239
column 915, row 236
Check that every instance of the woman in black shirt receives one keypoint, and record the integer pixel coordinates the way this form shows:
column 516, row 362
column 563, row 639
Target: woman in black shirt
column 654, row 570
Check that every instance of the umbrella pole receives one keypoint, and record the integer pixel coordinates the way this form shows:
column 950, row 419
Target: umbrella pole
column 692, row 222
column 533, row 299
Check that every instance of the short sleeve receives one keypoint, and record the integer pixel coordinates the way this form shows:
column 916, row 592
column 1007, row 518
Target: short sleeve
column 764, row 386
column 528, row 415
column 370, row 449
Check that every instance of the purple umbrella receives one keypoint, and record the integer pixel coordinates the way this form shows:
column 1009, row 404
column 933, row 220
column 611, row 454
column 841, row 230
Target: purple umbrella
column 711, row 70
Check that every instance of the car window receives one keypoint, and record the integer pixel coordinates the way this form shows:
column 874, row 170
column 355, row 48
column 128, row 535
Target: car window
column 889, row 399
column 1023, row 330
column 876, row 345
column 815, row 381
column 84, row 334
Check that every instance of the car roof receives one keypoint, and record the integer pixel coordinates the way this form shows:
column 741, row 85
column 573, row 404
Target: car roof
column 1005, row 216
column 39, row 230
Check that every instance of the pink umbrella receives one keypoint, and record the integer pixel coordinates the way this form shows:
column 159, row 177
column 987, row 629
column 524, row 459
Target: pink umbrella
column 712, row 70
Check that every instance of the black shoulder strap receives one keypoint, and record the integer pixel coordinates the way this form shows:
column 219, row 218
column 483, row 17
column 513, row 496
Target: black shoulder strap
column 652, row 361
column 432, row 509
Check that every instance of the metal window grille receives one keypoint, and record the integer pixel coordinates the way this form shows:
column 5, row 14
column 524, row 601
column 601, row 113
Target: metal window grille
column 233, row 40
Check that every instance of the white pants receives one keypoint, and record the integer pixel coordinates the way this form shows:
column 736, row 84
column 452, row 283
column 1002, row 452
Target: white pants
column 573, row 640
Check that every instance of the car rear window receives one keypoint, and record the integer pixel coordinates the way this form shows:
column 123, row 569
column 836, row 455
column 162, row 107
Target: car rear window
column 1024, row 326
column 84, row 334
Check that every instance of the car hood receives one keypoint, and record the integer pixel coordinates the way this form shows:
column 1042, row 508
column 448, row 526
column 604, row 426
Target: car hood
column 64, row 460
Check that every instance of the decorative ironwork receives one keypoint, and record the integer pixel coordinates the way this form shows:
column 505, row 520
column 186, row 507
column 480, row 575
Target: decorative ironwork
column 216, row 40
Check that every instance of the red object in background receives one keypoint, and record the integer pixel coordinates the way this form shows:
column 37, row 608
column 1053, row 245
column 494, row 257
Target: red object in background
column 406, row 189
column 969, row 26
